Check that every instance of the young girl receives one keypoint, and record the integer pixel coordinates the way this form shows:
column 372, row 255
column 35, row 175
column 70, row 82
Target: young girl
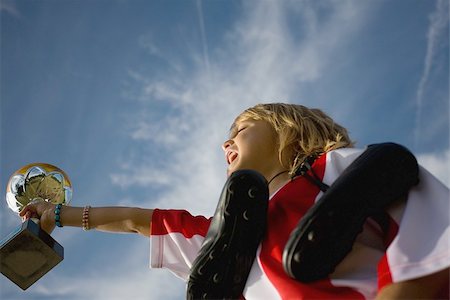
column 409, row 260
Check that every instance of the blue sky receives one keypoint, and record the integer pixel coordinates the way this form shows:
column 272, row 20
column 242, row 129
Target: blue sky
column 134, row 98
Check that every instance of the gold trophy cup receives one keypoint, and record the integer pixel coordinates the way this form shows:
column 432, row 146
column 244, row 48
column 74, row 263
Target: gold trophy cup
column 28, row 252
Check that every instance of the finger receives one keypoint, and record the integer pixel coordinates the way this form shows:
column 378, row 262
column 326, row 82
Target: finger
column 25, row 209
column 25, row 217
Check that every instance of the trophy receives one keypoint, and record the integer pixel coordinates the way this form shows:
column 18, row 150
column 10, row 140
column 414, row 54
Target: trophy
column 28, row 252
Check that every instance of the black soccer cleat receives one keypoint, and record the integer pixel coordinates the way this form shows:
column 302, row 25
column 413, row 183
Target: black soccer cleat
column 382, row 174
column 221, row 269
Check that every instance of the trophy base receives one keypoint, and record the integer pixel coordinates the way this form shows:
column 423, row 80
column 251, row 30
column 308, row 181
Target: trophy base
column 28, row 253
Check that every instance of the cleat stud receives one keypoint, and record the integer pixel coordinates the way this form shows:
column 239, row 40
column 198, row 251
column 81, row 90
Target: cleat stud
column 252, row 192
column 200, row 271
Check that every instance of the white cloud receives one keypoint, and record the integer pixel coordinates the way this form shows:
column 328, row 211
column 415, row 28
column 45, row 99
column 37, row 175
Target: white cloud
column 164, row 134
column 114, row 281
column 140, row 177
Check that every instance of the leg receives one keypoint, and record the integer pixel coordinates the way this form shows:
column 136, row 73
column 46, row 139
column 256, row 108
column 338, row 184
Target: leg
column 382, row 174
column 221, row 269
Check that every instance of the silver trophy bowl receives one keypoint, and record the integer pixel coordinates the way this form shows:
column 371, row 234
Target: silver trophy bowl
column 38, row 182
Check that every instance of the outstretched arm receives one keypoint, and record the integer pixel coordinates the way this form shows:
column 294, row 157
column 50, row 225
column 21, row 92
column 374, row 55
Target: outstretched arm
column 110, row 219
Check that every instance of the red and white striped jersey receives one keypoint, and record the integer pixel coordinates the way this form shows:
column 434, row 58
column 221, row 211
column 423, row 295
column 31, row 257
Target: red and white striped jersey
column 415, row 245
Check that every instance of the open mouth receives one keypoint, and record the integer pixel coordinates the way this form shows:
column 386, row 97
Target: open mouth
column 231, row 156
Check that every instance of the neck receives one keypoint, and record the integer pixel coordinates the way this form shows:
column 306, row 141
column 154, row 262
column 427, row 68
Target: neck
column 277, row 181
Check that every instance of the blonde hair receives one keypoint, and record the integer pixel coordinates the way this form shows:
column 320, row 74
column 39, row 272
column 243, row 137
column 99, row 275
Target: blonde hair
column 301, row 131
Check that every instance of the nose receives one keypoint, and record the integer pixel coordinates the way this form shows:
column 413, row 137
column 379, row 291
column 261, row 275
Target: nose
column 227, row 144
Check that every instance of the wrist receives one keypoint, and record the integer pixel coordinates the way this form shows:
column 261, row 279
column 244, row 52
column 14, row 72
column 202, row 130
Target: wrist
column 85, row 218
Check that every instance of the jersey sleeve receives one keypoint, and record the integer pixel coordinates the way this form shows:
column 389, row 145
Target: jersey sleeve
column 421, row 246
column 176, row 237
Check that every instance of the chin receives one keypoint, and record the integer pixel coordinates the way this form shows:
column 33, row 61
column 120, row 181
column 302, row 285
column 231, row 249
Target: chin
column 233, row 169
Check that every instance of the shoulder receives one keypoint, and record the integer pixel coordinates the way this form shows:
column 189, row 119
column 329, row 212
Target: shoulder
column 337, row 161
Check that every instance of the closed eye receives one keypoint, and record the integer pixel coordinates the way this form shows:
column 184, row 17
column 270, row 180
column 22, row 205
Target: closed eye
column 237, row 128
column 238, row 131
column 234, row 132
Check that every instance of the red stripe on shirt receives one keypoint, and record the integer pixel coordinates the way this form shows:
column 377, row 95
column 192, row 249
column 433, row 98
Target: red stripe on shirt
column 384, row 272
column 178, row 221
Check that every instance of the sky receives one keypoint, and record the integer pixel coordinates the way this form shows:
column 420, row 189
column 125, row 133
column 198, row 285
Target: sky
column 133, row 99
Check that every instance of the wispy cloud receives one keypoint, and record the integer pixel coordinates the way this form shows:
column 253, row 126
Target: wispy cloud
column 201, row 23
column 258, row 61
column 437, row 31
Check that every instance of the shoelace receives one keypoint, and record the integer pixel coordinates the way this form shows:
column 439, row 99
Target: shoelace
column 305, row 167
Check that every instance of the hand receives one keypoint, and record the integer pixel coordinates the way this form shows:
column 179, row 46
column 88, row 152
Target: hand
column 42, row 210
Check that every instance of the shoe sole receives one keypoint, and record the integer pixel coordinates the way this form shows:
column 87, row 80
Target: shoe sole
column 239, row 224
column 325, row 235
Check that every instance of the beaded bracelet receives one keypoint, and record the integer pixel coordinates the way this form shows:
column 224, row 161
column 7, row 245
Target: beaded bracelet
column 85, row 219
column 58, row 215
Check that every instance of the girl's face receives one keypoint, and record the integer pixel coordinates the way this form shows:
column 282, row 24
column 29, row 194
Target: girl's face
column 253, row 145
